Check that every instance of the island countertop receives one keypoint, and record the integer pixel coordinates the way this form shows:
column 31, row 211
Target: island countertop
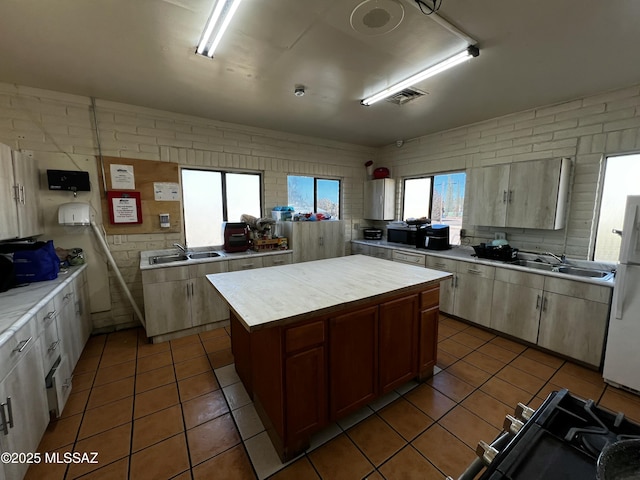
column 278, row 295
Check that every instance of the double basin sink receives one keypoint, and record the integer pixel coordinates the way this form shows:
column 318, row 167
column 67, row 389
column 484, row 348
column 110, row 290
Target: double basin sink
column 564, row 268
column 181, row 257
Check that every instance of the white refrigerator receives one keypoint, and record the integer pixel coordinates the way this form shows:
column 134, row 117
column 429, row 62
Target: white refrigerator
column 622, row 354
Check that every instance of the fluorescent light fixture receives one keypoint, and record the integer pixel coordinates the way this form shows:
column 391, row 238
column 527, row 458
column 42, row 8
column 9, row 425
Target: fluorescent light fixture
column 470, row 52
column 223, row 11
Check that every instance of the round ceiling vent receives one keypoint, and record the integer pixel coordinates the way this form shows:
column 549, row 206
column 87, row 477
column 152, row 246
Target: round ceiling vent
column 377, row 17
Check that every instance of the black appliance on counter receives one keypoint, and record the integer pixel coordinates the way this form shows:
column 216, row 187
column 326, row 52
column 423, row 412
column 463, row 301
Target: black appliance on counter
column 433, row 237
column 561, row 440
column 402, row 234
column 372, row 233
column 506, row 253
column 236, row 237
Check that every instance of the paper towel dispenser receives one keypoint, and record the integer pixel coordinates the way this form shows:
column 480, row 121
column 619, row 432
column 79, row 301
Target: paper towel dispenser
column 71, row 180
column 74, row 213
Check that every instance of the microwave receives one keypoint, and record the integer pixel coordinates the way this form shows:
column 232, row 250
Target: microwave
column 406, row 235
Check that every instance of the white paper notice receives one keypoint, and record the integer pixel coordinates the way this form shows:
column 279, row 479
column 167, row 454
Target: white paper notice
column 166, row 191
column 124, row 210
column 122, row 177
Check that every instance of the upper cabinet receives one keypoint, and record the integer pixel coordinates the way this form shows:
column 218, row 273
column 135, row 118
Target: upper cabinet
column 19, row 212
column 379, row 199
column 521, row 195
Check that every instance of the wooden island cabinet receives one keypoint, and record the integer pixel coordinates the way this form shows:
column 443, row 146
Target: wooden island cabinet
column 367, row 327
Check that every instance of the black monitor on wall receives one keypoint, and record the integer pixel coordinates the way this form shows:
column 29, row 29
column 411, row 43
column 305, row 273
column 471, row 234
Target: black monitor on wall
column 71, row 180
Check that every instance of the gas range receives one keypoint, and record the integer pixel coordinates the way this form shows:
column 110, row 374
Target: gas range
column 561, row 440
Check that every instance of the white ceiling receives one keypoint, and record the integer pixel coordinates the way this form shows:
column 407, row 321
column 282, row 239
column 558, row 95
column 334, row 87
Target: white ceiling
column 141, row 52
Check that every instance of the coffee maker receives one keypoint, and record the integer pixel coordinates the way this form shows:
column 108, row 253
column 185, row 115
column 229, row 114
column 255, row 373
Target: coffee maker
column 236, row 237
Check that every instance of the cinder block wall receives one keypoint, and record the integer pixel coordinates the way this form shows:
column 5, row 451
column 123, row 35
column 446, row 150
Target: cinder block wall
column 58, row 130
column 585, row 130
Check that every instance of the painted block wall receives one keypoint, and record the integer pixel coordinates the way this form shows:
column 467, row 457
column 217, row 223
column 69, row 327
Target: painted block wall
column 585, row 129
column 57, row 129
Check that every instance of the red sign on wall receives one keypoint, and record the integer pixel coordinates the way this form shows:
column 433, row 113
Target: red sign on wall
column 124, row 207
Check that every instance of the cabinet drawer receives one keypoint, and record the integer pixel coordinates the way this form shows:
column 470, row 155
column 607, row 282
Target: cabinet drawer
column 166, row 274
column 430, row 298
column 410, row 258
column 65, row 297
column 582, row 290
column 525, row 279
column 45, row 315
column 59, row 385
column 304, row 336
column 483, row 271
column 275, row 260
column 439, row 263
column 17, row 347
column 50, row 344
column 248, row 263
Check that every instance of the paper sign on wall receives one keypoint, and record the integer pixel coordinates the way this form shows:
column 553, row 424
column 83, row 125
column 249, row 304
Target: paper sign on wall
column 124, row 207
column 166, row 191
column 122, row 177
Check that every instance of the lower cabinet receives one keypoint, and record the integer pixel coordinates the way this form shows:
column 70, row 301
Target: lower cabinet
column 306, row 374
column 516, row 304
column 25, row 413
column 447, row 286
column 474, row 290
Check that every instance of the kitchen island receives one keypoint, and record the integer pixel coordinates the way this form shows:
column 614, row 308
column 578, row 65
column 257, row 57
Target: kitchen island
column 315, row 341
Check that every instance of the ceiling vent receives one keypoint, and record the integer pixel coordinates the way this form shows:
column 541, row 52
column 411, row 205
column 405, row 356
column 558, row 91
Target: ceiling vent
column 405, row 96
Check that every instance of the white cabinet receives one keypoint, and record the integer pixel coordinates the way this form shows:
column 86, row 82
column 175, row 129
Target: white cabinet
column 207, row 306
column 520, row 195
column 447, row 286
column 19, row 212
column 517, row 302
column 380, row 199
column 24, row 411
column 314, row 240
column 408, row 258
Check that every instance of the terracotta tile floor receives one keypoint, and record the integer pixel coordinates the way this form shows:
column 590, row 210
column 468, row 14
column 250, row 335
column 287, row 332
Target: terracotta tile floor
column 177, row 410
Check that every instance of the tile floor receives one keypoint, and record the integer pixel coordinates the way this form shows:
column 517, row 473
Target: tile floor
column 176, row 410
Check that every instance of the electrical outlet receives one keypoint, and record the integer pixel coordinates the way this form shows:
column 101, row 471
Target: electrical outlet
column 117, row 240
column 500, row 236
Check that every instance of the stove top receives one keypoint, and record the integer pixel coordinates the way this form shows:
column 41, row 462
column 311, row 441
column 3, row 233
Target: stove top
column 560, row 441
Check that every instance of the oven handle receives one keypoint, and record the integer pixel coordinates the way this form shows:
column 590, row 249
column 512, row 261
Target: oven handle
column 477, row 465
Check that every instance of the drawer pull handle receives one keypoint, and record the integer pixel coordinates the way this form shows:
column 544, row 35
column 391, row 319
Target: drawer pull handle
column 544, row 304
column 67, row 382
column 441, row 265
column 278, row 262
column 3, row 418
column 246, row 266
column 22, row 345
column 473, row 271
column 54, row 345
column 50, row 315
column 538, row 302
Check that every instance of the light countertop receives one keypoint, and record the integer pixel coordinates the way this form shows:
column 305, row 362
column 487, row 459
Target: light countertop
column 466, row 254
column 19, row 304
column 278, row 295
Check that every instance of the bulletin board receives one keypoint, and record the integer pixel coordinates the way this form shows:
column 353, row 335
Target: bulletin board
column 147, row 176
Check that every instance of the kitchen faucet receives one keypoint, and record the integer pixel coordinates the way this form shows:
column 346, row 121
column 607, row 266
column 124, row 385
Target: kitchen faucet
column 561, row 259
column 177, row 245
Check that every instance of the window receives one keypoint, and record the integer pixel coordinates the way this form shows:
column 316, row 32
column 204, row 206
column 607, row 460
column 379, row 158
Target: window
column 309, row 194
column 212, row 197
column 438, row 197
column 620, row 179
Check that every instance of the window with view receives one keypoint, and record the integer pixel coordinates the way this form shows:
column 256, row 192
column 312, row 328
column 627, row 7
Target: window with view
column 620, row 180
column 439, row 198
column 310, row 194
column 210, row 198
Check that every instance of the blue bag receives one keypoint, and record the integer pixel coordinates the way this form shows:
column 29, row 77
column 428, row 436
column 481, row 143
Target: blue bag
column 36, row 265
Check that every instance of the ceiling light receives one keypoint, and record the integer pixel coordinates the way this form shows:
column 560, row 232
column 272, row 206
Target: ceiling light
column 470, row 52
column 223, row 11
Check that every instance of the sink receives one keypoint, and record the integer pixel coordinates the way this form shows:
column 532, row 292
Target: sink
column 160, row 259
column 198, row 255
column 582, row 272
column 533, row 264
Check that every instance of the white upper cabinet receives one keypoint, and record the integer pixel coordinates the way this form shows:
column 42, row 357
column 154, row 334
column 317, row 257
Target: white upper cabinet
column 380, row 199
column 520, row 195
column 19, row 210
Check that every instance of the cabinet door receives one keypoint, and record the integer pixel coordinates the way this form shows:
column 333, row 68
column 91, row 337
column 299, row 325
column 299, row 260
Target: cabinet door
column 305, row 392
column 167, row 306
column 533, row 194
column 26, row 174
column 473, row 297
column 83, row 312
column 379, row 252
column 488, row 191
column 447, row 287
column 353, row 361
column 379, row 199
column 574, row 327
column 207, row 305
column 68, row 327
column 360, row 249
column 515, row 310
column 331, row 239
column 8, row 210
column 25, row 386
column 397, row 342
column 428, row 348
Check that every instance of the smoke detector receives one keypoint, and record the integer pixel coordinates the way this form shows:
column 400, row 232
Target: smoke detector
column 298, row 90
column 377, row 17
